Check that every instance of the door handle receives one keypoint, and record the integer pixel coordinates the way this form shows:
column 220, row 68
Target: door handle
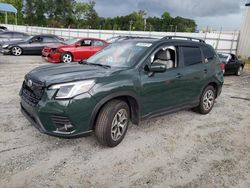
column 205, row 71
column 179, row 75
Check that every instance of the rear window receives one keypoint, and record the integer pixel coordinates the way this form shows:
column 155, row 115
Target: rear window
column 192, row 55
column 208, row 52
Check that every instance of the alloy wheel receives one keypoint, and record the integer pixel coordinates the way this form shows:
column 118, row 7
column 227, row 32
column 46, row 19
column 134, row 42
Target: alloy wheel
column 208, row 100
column 16, row 51
column 67, row 58
column 240, row 71
column 119, row 124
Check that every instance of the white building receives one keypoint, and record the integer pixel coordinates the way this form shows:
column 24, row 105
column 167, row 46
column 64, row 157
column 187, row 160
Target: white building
column 244, row 43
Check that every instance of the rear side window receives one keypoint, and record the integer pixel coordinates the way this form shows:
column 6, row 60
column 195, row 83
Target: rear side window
column 209, row 54
column 49, row 39
column 192, row 55
column 97, row 43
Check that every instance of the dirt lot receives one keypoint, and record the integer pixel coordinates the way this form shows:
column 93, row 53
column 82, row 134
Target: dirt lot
column 184, row 149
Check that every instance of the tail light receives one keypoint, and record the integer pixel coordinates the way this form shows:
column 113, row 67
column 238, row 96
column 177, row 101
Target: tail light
column 222, row 66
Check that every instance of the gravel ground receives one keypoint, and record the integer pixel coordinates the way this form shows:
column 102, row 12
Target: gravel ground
column 184, row 149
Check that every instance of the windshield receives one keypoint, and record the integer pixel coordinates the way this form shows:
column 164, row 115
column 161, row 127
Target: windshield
column 121, row 54
column 28, row 38
column 72, row 41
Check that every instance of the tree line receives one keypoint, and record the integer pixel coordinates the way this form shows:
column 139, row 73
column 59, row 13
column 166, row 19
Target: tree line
column 76, row 14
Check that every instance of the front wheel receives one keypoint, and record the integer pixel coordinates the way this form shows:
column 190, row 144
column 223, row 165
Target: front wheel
column 66, row 58
column 207, row 100
column 112, row 123
column 16, row 51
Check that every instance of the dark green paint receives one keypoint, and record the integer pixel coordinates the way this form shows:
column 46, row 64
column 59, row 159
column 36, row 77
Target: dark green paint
column 153, row 92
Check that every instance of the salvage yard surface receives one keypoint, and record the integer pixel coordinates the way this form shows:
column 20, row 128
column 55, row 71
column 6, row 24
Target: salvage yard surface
column 184, row 149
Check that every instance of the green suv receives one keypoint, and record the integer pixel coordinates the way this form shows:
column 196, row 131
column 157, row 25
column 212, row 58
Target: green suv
column 127, row 81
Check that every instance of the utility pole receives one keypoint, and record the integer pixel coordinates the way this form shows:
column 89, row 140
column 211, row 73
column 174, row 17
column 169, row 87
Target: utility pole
column 130, row 24
column 171, row 28
column 145, row 24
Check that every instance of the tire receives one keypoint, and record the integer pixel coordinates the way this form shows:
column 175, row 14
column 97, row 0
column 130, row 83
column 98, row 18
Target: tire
column 16, row 51
column 239, row 71
column 207, row 100
column 66, row 58
column 112, row 123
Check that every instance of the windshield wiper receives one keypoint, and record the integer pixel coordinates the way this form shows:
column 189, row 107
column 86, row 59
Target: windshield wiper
column 95, row 64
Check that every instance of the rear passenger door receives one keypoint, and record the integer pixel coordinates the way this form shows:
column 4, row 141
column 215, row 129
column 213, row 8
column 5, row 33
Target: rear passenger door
column 194, row 73
column 84, row 50
column 97, row 45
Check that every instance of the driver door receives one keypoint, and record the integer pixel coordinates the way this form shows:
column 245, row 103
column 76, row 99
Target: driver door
column 161, row 91
column 35, row 46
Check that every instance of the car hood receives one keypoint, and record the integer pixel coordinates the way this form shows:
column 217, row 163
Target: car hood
column 16, row 42
column 53, row 74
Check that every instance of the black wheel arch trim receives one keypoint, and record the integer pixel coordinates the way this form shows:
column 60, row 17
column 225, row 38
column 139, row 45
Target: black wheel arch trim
column 132, row 98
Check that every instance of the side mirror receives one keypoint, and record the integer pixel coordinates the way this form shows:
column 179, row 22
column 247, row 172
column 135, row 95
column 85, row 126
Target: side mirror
column 157, row 67
column 77, row 44
column 30, row 41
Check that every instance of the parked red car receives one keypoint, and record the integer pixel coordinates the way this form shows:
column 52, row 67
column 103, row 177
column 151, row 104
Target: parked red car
column 74, row 50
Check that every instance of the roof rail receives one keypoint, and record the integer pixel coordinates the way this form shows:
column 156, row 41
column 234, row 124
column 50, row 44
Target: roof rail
column 181, row 37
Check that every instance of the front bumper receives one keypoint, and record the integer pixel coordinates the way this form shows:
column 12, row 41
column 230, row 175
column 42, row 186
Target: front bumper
column 77, row 111
column 5, row 51
column 52, row 58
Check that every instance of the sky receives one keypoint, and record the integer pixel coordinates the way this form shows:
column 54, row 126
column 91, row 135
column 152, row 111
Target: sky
column 227, row 14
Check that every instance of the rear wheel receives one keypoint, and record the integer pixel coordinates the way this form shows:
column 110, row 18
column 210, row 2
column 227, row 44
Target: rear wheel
column 16, row 51
column 239, row 71
column 207, row 100
column 66, row 58
column 112, row 123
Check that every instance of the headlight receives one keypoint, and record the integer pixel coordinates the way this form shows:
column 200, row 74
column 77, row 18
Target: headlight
column 5, row 45
column 55, row 50
column 70, row 90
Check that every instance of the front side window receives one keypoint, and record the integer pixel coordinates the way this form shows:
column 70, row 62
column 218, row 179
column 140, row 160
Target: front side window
column 86, row 43
column 192, row 55
column 165, row 55
column 37, row 39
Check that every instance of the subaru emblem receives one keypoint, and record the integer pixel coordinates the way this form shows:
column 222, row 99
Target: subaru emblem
column 29, row 83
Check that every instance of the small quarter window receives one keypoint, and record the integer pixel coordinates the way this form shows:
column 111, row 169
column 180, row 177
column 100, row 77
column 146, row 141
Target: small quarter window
column 192, row 55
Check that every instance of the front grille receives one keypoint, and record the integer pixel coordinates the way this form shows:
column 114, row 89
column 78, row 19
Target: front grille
column 32, row 94
column 62, row 123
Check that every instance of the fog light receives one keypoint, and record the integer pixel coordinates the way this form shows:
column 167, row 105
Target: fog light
column 68, row 126
column 62, row 124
